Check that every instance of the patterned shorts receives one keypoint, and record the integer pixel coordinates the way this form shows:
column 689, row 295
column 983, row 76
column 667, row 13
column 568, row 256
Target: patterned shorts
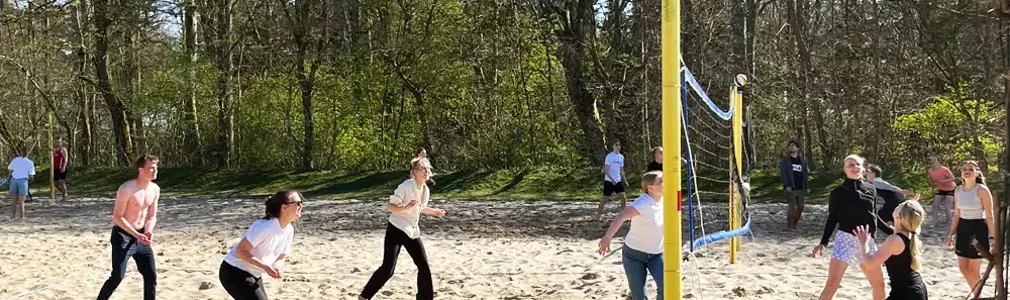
column 847, row 247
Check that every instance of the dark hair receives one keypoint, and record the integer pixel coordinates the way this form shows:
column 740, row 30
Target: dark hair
column 142, row 160
column 875, row 169
column 276, row 201
column 794, row 142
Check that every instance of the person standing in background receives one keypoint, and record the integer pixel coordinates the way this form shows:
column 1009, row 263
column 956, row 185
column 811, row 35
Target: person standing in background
column 61, row 160
column 796, row 183
column 942, row 180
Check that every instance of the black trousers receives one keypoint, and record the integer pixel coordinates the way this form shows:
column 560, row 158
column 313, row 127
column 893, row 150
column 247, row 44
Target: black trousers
column 125, row 246
column 391, row 250
column 240, row 284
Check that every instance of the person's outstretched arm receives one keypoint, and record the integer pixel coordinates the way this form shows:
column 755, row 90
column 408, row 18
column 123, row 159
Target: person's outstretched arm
column 832, row 221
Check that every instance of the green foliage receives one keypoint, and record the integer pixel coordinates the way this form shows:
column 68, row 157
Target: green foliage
column 949, row 126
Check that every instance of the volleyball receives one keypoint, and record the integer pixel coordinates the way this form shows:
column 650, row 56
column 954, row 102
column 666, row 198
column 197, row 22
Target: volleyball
column 741, row 80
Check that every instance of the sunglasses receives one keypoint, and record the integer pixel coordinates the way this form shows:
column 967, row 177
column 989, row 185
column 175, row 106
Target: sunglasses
column 299, row 203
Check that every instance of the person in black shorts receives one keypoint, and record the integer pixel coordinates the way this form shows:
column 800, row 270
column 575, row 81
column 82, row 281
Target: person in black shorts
column 973, row 222
column 613, row 177
column 60, row 162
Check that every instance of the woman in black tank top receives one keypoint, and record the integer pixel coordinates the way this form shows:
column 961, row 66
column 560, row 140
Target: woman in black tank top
column 900, row 252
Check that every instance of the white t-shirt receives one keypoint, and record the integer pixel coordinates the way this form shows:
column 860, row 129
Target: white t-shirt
column 616, row 162
column 269, row 241
column 22, row 167
column 407, row 220
column 646, row 233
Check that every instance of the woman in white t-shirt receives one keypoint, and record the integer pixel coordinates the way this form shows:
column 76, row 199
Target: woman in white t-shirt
column 405, row 206
column 643, row 246
column 265, row 245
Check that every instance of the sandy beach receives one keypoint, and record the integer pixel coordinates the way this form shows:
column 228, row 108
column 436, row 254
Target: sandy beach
column 479, row 250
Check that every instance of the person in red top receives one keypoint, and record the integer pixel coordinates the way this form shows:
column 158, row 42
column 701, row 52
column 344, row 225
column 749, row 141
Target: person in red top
column 61, row 160
column 942, row 179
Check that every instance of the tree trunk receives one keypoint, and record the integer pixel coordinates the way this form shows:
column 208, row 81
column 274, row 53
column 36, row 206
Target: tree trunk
column 117, row 109
column 191, row 126
column 224, row 60
column 797, row 20
column 572, row 38
column 84, row 148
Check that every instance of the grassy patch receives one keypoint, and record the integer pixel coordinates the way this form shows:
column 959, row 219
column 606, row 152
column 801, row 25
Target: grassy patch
column 521, row 184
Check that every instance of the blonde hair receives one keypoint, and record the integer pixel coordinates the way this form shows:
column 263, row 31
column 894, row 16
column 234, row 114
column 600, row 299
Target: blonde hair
column 650, row 178
column 910, row 218
column 421, row 162
column 858, row 159
column 979, row 179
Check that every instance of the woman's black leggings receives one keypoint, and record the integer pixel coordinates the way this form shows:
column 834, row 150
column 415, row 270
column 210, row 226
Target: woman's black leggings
column 391, row 250
column 240, row 284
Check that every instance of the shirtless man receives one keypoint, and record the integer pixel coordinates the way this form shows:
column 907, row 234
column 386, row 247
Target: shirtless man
column 134, row 216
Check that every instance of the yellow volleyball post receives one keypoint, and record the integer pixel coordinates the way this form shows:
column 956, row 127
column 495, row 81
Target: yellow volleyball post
column 732, row 215
column 671, row 118
column 52, row 161
column 731, row 203
column 738, row 155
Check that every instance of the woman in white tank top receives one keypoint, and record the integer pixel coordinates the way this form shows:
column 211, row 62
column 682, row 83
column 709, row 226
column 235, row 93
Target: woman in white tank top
column 972, row 221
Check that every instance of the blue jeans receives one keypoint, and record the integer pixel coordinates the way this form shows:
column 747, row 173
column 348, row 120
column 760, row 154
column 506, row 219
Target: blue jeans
column 636, row 265
column 19, row 187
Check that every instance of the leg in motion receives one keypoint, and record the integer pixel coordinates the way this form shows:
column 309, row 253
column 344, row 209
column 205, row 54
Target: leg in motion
column 240, row 284
column 636, row 269
column 425, row 288
column 603, row 202
column 146, row 266
column 835, row 272
column 656, row 269
column 122, row 249
column 969, row 269
column 390, row 251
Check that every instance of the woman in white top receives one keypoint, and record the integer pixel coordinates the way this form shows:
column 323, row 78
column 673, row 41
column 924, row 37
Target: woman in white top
column 265, row 245
column 972, row 221
column 643, row 246
column 405, row 206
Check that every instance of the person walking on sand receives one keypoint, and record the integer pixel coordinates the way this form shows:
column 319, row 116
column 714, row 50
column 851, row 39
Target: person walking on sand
column 408, row 202
column 134, row 216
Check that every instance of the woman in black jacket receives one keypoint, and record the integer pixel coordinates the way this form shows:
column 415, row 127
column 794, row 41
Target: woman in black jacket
column 850, row 205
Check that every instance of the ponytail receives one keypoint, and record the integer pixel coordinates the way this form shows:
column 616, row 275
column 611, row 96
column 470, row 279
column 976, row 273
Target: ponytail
column 914, row 251
column 274, row 204
column 421, row 162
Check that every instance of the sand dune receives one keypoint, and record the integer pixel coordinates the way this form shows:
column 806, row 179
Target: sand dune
column 480, row 250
